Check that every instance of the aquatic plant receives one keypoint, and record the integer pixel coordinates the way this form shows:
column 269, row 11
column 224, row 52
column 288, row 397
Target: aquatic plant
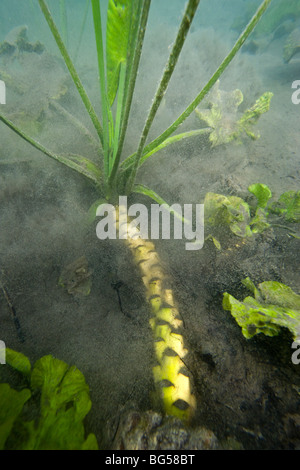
column 244, row 219
column 57, row 400
column 279, row 12
column 115, row 175
column 273, row 307
column 222, row 115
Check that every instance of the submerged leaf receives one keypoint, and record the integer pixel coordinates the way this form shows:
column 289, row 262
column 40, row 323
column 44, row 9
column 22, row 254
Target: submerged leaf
column 117, row 36
column 64, row 403
column 252, row 115
column 259, row 222
column 222, row 115
column 288, row 205
column 11, row 405
column 275, row 306
column 262, row 193
column 231, row 211
column 18, row 361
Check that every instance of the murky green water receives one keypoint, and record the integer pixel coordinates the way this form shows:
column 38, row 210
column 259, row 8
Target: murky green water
column 247, row 390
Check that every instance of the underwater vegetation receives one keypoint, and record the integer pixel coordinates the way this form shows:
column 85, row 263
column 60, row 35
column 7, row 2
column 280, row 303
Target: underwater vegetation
column 126, row 23
column 58, row 398
column 273, row 307
column 222, row 115
column 244, row 219
column 279, row 12
column 64, row 395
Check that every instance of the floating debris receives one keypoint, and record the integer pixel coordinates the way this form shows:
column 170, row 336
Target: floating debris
column 16, row 41
column 76, row 277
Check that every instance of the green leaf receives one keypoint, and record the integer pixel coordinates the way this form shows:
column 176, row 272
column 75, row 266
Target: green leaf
column 275, row 306
column 229, row 211
column 171, row 140
column 141, row 189
column 88, row 167
column 117, row 35
column 18, row 361
column 273, row 292
column 252, row 115
column 64, row 404
column 262, row 193
column 11, row 405
column 288, row 205
column 259, row 222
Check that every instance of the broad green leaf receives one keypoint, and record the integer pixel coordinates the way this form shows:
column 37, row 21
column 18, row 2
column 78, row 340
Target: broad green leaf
column 90, row 443
column 277, row 293
column 47, row 374
column 11, row 405
column 275, row 306
column 262, row 193
column 229, row 211
column 18, row 361
column 117, row 36
column 64, row 404
column 288, row 205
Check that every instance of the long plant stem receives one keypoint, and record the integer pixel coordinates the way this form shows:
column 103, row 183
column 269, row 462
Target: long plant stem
column 169, row 69
column 82, row 29
column 101, row 69
column 75, row 122
column 137, row 39
column 64, row 21
column 171, row 376
column 59, row 158
column 249, row 28
column 86, row 101
column 171, row 140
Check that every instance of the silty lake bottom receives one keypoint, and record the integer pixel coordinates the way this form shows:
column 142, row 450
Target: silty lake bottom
column 247, row 390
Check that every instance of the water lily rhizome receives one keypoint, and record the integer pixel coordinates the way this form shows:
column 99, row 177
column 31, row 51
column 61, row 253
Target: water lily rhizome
column 115, row 175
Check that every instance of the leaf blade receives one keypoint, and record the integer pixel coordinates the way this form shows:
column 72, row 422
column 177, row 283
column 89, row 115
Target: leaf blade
column 117, row 35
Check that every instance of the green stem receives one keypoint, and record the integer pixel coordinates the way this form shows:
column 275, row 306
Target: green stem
column 86, row 101
column 61, row 159
column 82, row 29
column 171, row 140
column 211, row 81
column 64, row 21
column 104, row 100
column 169, row 69
column 73, row 120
